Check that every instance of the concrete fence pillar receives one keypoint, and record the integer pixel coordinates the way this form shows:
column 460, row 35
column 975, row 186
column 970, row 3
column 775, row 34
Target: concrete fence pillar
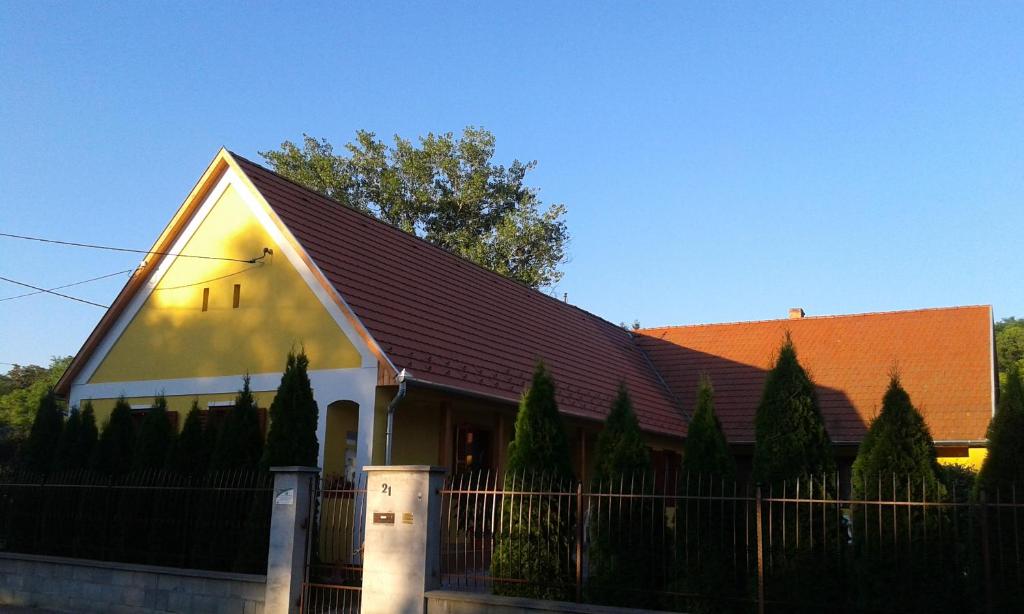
column 289, row 531
column 402, row 556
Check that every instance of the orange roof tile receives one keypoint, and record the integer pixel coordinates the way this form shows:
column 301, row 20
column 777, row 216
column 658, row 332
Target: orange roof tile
column 944, row 357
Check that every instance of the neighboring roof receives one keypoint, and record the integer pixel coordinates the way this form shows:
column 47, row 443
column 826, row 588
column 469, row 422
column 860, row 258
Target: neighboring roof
column 944, row 357
column 453, row 323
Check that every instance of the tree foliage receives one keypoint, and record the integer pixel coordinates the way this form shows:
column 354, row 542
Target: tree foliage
column 1004, row 464
column 898, row 443
column 790, row 439
column 625, row 551
column 292, row 440
column 540, row 445
column 69, row 435
column 21, row 390
column 44, row 436
column 114, row 450
column 707, row 451
column 1009, row 333
column 620, row 449
column 153, row 441
column 530, row 546
column 240, row 441
column 190, row 454
column 445, row 189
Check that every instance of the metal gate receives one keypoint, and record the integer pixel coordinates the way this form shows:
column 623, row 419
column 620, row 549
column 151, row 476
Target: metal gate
column 334, row 564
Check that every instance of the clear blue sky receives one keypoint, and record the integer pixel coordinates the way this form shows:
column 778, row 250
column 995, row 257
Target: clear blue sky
column 719, row 163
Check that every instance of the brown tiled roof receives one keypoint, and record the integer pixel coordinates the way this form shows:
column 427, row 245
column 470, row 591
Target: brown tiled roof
column 944, row 357
column 453, row 323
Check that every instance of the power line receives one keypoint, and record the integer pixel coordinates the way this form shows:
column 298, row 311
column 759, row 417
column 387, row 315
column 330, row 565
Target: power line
column 77, row 283
column 134, row 251
column 73, row 298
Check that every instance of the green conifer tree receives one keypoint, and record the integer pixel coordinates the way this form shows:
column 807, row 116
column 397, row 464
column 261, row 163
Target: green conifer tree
column 707, row 451
column 620, row 449
column 240, row 441
column 897, row 461
column 292, row 440
column 540, row 444
column 790, row 439
column 1004, row 464
column 898, row 443
column 62, row 456
column 190, row 454
column 85, row 444
column 531, row 547
column 42, row 440
column 624, row 554
column 114, row 450
column 153, row 441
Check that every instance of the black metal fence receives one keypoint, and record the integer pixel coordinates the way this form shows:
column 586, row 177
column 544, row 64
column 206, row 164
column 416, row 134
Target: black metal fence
column 701, row 544
column 218, row 522
column 334, row 572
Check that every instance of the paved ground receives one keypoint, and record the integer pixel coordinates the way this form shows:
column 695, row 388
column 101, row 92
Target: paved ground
column 17, row 609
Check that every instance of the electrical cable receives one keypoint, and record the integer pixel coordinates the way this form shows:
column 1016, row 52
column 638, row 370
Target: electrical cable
column 133, row 251
column 77, row 283
column 67, row 296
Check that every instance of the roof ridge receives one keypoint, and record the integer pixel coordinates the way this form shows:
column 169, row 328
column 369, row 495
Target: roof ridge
column 438, row 248
column 821, row 317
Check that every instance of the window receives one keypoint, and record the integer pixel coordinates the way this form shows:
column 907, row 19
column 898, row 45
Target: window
column 473, row 448
column 237, row 297
column 217, row 413
column 139, row 414
column 206, row 299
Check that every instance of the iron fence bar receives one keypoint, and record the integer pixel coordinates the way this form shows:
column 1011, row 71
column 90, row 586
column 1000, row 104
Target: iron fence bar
column 760, row 552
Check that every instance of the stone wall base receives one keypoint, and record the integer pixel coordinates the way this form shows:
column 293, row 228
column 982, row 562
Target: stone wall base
column 78, row 585
column 451, row 602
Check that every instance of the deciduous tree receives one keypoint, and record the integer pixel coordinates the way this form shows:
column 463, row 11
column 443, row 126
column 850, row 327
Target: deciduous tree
column 445, row 189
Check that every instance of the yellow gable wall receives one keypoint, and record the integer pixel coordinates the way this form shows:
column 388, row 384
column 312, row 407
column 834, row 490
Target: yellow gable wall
column 171, row 337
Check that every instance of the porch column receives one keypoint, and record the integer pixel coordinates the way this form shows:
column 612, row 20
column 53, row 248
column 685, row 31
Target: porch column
column 289, row 529
column 402, row 555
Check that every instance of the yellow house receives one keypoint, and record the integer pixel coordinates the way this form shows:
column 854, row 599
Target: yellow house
column 252, row 266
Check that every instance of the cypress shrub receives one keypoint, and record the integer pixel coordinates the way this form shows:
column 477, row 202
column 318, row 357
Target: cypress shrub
column 533, row 546
column 85, row 444
column 790, row 439
column 897, row 461
column 43, row 438
column 707, row 463
column 154, row 439
column 189, row 453
column 69, row 435
column 1004, row 463
column 627, row 541
column 240, row 442
column 793, row 453
column 293, row 419
column 114, row 450
column 540, row 444
column 707, row 451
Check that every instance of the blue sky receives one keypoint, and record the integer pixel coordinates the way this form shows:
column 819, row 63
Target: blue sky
column 719, row 161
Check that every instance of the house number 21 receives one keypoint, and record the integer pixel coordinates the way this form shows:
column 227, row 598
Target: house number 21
column 386, row 489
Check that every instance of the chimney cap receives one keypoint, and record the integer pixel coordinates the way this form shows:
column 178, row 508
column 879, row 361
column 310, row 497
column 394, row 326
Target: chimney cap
column 795, row 313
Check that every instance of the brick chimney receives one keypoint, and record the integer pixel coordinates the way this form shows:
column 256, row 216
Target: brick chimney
column 795, row 313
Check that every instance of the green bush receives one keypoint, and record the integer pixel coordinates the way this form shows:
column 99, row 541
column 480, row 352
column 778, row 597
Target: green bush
column 1004, row 463
column 43, row 438
column 240, row 441
column 190, row 454
column 790, row 439
column 292, row 440
column 532, row 555
column 707, row 451
column 627, row 542
column 153, row 442
column 114, row 450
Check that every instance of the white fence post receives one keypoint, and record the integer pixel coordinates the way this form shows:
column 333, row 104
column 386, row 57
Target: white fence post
column 289, row 531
